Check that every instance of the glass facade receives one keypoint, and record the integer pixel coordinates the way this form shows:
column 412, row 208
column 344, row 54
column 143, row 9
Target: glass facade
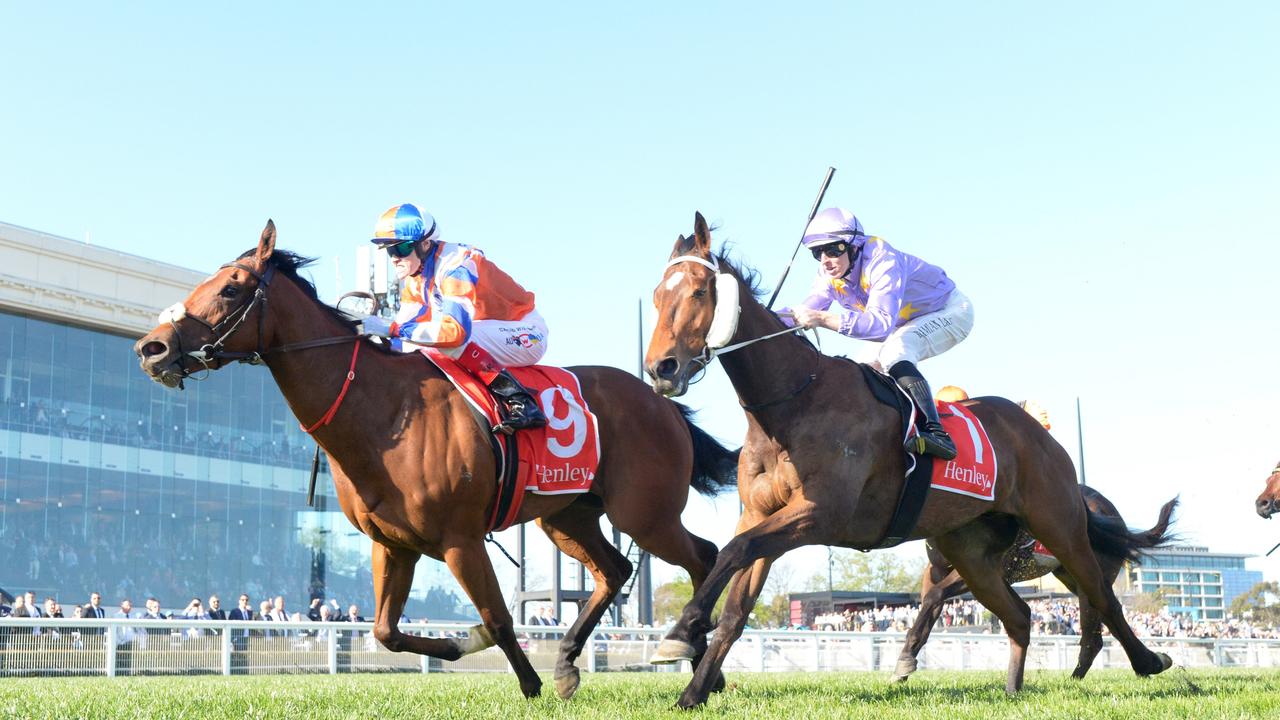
column 1197, row 583
column 110, row 482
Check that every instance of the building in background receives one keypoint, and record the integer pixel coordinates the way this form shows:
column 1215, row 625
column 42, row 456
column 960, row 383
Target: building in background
column 1194, row 581
column 110, row 482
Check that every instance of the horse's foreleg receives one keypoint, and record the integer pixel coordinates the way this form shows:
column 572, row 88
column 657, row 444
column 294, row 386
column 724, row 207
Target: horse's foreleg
column 939, row 585
column 785, row 530
column 470, row 565
column 576, row 532
column 392, row 578
column 743, row 591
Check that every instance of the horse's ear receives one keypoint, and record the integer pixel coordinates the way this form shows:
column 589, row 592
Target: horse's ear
column 701, row 234
column 267, row 243
column 683, row 246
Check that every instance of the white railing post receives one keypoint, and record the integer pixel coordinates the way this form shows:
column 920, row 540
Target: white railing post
column 332, row 649
column 109, row 645
column 815, row 658
column 760, row 653
column 226, row 651
column 591, row 653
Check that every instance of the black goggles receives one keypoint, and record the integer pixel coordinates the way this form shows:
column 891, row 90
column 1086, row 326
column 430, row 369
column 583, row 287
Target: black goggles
column 402, row 249
column 831, row 250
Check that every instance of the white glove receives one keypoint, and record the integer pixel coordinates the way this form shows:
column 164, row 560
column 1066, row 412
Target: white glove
column 375, row 325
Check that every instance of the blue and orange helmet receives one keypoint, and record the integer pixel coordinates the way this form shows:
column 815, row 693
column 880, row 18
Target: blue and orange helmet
column 404, row 223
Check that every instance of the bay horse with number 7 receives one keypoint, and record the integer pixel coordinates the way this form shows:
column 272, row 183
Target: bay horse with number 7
column 415, row 472
column 823, row 465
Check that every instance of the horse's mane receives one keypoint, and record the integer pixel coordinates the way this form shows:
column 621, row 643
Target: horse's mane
column 288, row 264
column 751, row 278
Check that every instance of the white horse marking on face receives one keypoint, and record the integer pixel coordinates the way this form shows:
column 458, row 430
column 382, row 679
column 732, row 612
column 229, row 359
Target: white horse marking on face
column 675, row 279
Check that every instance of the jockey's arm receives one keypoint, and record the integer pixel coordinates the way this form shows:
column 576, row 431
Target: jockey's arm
column 885, row 287
column 448, row 323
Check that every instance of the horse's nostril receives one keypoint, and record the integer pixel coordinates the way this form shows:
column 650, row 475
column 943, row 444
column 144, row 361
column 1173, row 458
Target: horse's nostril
column 153, row 348
column 667, row 368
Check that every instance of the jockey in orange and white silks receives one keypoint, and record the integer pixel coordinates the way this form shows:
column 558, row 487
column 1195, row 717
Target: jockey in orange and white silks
column 869, row 290
column 456, row 300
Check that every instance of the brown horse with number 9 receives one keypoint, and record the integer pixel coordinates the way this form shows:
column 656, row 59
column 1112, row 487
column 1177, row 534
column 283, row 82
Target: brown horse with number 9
column 414, row 470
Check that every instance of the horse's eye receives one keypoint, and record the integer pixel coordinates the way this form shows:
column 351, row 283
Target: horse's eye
column 229, row 291
column 700, row 293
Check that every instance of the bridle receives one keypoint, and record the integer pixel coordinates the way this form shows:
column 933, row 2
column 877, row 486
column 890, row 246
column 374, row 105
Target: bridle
column 212, row 352
column 709, row 353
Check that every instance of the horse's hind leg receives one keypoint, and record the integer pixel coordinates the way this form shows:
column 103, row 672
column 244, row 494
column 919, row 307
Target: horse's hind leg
column 1063, row 528
column 1090, row 627
column 576, row 531
column 977, row 552
column 940, row 583
column 392, row 578
column 469, row 563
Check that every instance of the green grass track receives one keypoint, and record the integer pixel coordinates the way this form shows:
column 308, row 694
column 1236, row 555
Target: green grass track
column 934, row 695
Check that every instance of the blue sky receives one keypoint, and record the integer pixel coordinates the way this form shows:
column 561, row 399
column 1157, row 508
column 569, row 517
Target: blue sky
column 1101, row 179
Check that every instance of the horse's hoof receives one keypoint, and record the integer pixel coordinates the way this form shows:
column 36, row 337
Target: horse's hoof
column 532, row 691
column 670, row 651
column 719, row 684
column 905, row 667
column 688, row 702
column 899, row 679
column 567, row 684
column 1166, row 662
column 478, row 638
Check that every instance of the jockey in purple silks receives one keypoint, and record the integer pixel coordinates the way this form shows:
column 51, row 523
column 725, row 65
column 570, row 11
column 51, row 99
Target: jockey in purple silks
column 868, row 290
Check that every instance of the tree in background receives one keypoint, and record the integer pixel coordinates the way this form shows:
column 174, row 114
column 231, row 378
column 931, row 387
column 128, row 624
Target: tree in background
column 1152, row 603
column 773, row 607
column 872, row 572
column 1261, row 604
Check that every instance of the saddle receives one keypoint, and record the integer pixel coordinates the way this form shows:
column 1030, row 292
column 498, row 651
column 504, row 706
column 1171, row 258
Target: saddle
column 915, row 486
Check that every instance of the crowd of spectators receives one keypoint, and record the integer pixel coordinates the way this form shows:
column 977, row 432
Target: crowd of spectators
column 172, row 436
column 1049, row 616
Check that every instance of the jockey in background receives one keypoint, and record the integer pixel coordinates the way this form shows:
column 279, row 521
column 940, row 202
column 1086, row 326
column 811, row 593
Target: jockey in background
column 951, row 393
column 877, row 293
column 456, row 300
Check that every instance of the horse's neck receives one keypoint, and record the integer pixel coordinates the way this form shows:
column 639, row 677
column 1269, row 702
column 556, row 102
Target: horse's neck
column 766, row 373
column 311, row 379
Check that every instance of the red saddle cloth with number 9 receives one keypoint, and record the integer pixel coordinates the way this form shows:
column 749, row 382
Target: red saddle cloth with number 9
column 561, row 457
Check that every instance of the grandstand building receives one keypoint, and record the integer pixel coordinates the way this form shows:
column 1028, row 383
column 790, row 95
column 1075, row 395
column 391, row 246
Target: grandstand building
column 1194, row 581
column 110, row 482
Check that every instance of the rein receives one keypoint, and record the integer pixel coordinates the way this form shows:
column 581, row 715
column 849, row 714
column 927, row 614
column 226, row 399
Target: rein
column 213, row 352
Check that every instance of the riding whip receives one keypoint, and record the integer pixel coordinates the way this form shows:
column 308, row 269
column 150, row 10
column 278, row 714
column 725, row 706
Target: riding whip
column 311, row 486
column 826, row 182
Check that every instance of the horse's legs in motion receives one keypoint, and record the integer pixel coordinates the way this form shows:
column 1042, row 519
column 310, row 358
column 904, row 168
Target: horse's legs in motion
column 787, row 529
column 469, row 563
column 743, row 591
column 1090, row 628
column 1062, row 527
column 940, row 583
column 667, row 539
column 576, row 531
column 977, row 550
column 392, row 578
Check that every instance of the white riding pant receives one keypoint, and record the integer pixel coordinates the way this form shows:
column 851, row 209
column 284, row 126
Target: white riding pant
column 920, row 338
column 513, row 343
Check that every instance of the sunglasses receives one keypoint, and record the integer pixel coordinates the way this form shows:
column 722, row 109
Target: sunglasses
column 403, row 249
column 832, row 250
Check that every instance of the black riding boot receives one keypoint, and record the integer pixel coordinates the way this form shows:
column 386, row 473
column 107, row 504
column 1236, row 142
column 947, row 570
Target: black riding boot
column 519, row 411
column 932, row 438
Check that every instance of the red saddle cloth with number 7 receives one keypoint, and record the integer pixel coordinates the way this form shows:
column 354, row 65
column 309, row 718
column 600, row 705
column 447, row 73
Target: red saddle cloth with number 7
column 561, row 457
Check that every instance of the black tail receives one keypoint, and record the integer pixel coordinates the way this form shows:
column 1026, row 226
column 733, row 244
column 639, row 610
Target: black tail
column 1110, row 536
column 715, row 467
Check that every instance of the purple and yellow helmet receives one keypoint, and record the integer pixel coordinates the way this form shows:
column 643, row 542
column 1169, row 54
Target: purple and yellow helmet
column 404, row 223
column 834, row 225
